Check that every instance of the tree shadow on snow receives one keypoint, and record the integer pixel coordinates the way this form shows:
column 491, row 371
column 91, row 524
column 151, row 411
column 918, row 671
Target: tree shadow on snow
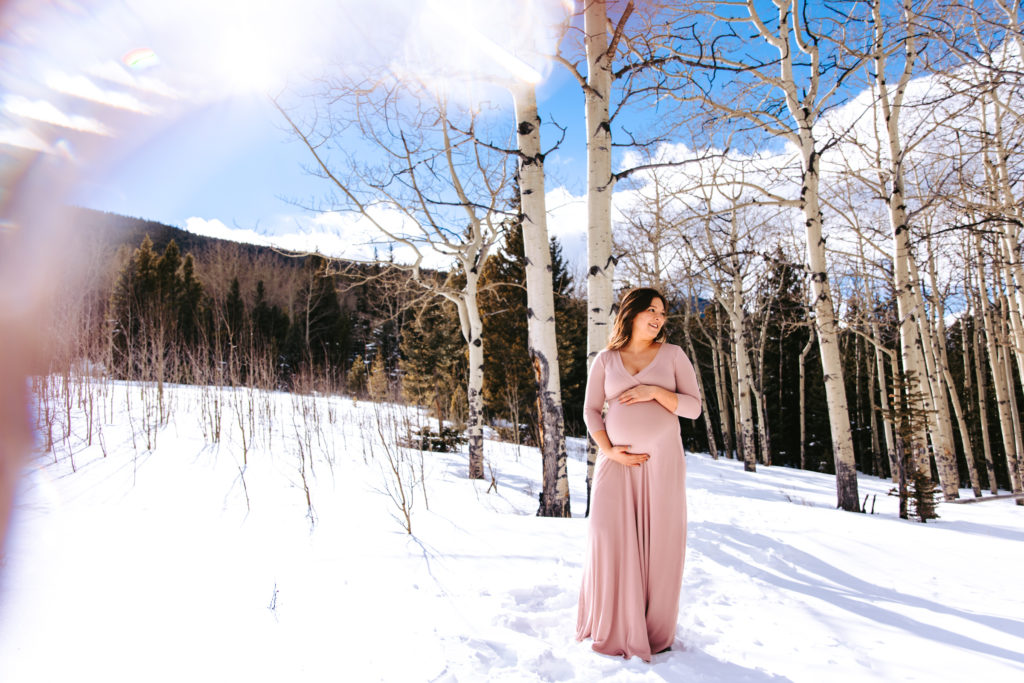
column 994, row 530
column 713, row 481
column 693, row 664
column 801, row 572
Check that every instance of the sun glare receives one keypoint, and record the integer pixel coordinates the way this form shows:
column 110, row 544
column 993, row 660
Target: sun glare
column 465, row 22
column 246, row 61
column 515, row 66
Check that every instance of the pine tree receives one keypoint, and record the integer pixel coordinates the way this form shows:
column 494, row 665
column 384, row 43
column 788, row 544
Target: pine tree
column 269, row 324
column 914, row 487
column 434, row 359
column 168, row 279
column 379, row 385
column 571, row 323
column 127, row 302
column 786, row 336
column 510, row 389
column 190, row 314
column 355, row 379
column 234, row 314
column 320, row 332
column 154, row 308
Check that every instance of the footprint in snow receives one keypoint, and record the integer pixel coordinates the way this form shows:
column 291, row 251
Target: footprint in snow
column 492, row 655
column 548, row 667
column 535, row 598
column 519, row 624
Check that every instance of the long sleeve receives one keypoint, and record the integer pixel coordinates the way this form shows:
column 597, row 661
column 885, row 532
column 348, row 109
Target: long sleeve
column 687, row 393
column 593, row 402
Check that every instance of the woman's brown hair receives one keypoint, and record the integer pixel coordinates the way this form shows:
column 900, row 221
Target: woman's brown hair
column 634, row 301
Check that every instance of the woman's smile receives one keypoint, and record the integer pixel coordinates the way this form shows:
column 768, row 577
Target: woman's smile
column 648, row 323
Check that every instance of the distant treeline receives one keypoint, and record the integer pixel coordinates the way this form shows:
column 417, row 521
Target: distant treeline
column 161, row 304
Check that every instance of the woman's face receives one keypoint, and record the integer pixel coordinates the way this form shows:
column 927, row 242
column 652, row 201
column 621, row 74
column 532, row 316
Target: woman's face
column 648, row 323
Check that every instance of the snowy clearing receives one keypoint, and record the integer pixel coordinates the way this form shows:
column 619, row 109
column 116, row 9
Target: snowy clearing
column 170, row 559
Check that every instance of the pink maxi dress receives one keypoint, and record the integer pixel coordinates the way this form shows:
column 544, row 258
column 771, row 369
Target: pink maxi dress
column 636, row 543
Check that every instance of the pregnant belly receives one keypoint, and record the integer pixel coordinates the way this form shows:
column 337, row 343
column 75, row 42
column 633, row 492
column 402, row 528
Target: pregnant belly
column 640, row 425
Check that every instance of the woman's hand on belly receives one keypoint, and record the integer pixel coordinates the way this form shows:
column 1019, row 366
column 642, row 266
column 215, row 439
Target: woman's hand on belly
column 621, row 455
column 642, row 393
column 638, row 394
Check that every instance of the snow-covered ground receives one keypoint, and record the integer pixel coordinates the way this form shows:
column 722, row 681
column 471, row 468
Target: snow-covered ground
column 161, row 564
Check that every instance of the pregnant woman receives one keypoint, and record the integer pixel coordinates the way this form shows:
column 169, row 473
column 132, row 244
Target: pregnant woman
column 629, row 599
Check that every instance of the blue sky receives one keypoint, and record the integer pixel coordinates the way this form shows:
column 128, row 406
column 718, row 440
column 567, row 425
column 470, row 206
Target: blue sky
column 187, row 136
column 233, row 160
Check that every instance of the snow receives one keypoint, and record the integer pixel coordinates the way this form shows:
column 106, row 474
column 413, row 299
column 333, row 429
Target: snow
column 149, row 564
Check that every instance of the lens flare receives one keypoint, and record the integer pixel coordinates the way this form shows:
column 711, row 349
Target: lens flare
column 140, row 59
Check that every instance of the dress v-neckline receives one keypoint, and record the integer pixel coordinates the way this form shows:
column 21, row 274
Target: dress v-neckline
column 618, row 353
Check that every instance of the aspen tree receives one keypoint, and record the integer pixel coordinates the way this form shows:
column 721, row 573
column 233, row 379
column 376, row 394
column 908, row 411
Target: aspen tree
column 600, row 53
column 450, row 206
column 705, row 404
column 721, row 390
column 803, row 400
column 554, row 500
column 1006, row 353
column 999, row 384
column 972, row 349
column 876, row 446
column 939, row 422
column 942, row 369
column 909, row 306
column 602, row 41
column 880, row 355
column 1009, row 247
column 794, row 80
column 732, row 302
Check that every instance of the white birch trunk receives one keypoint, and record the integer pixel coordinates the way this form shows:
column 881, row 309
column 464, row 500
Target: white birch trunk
column 472, row 332
column 979, row 377
column 828, row 335
column 900, row 455
column 961, row 422
column 876, row 445
column 801, row 105
column 998, row 375
column 911, row 347
column 721, row 393
column 762, row 425
column 1014, row 280
column 737, row 418
column 1010, row 242
column 541, row 305
column 942, row 370
column 803, row 400
column 1007, row 360
column 758, row 396
column 986, row 440
column 748, row 443
column 705, row 412
column 743, row 379
column 883, row 389
column 883, row 394
column 941, row 431
column 600, row 264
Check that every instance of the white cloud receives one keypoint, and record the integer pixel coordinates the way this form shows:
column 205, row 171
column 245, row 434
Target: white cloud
column 567, row 220
column 24, row 138
column 332, row 234
column 114, row 72
column 354, row 237
column 80, row 86
column 47, row 112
